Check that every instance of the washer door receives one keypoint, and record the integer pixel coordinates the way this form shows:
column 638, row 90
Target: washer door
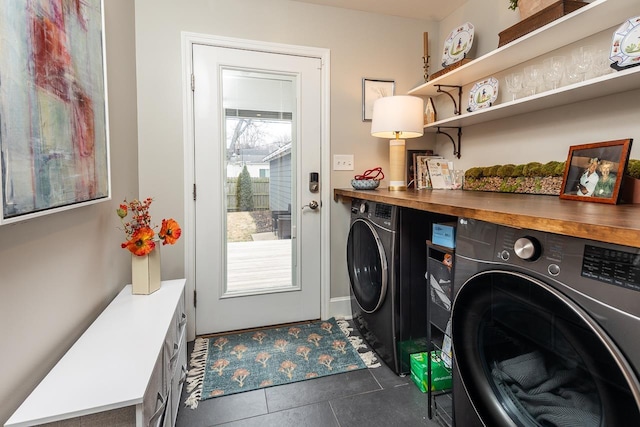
column 529, row 356
column 367, row 265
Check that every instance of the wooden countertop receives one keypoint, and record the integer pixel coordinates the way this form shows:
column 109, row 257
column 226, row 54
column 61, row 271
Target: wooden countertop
column 618, row 224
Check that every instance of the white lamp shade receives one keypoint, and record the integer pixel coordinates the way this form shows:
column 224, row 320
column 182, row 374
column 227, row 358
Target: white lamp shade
column 398, row 116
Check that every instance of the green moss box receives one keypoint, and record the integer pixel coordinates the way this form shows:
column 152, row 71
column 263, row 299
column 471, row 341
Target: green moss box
column 440, row 376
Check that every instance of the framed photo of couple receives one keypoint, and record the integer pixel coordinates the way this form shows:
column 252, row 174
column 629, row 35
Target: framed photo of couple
column 594, row 172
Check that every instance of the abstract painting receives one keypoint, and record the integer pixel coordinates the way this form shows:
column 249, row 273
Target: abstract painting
column 54, row 147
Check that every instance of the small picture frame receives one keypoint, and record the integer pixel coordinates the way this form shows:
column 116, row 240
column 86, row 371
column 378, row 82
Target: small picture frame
column 412, row 165
column 593, row 172
column 423, row 177
column 372, row 90
column 430, row 115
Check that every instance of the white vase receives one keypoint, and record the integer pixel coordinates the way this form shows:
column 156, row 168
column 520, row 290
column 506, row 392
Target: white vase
column 530, row 7
column 145, row 272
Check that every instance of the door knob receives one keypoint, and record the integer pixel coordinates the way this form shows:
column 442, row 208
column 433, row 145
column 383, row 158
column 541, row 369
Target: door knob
column 312, row 205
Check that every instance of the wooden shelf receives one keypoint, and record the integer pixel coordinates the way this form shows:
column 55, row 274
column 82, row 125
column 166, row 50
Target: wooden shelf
column 586, row 21
column 606, row 223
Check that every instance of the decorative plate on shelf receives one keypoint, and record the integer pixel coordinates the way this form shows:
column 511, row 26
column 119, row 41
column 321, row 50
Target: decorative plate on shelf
column 625, row 48
column 457, row 44
column 483, row 94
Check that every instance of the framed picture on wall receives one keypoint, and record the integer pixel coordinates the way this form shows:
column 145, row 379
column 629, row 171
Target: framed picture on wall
column 372, row 90
column 54, row 148
column 593, row 172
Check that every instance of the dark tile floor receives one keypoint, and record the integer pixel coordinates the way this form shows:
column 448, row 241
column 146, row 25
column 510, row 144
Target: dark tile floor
column 368, row 397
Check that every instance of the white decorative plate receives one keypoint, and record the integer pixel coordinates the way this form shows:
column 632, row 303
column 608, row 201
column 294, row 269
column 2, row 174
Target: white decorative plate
column 483, row 94
column 457, row 44
column 625, row 48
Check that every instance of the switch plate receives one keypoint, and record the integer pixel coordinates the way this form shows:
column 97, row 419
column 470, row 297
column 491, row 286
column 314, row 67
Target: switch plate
column 343, row 162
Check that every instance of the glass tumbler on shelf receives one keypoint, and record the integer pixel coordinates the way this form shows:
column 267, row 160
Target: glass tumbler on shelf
column 601, row 63
column 532, row 78
column 582, row 58
column 571, row 73
column 514, row 83
column 553, row 69
column 457, row 179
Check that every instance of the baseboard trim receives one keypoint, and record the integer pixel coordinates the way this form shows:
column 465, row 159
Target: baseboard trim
column 340, row 307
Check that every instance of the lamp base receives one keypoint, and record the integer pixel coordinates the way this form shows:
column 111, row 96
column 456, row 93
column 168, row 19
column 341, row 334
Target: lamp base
column 397, row 168
column 397, row 188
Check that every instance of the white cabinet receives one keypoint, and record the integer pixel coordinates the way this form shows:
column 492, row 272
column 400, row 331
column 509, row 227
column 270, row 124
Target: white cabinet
column 588, row 20
column 127, row 369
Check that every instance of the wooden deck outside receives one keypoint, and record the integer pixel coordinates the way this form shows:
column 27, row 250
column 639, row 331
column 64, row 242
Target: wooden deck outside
column 258, row 265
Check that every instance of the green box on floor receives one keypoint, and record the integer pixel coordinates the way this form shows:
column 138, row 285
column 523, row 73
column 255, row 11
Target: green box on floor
column 440, row 376
column 407, row 348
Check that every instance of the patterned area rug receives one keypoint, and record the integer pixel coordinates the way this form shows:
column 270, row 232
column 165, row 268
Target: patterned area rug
column 234, row 363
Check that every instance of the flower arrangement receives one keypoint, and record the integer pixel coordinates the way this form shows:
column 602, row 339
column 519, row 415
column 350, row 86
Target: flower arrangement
column 513, row 4
column 139, row 231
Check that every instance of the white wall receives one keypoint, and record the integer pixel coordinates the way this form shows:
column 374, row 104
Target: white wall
column 361, row 44
column 59, row 271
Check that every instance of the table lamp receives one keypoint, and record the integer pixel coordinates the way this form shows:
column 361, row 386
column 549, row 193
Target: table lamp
column 397, row 118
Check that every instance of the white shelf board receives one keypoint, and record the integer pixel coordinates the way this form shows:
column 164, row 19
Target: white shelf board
column 609, row 84
column 586, row 21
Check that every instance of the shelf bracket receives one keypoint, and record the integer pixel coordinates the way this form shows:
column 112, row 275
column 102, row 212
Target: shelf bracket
column 456, row 105
column 456, row 147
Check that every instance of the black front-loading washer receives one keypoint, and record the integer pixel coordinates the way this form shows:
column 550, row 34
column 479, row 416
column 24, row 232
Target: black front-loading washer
column 386, row 260
column 545, row 329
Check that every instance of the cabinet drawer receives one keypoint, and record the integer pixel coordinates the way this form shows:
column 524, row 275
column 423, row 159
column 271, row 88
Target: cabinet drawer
column 172, row 343
column 177, row 381
column 155, row 398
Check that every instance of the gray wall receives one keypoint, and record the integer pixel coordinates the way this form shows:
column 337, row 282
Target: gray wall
column 59, row 271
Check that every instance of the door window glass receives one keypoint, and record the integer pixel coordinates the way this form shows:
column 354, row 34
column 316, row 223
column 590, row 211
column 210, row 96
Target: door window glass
column 258, row 115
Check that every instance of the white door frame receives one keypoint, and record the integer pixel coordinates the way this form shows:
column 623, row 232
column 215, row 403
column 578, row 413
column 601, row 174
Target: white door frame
column 188, row 40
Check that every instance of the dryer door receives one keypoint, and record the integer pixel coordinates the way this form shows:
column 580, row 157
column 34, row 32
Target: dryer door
column 367, row 265
column 529, row 356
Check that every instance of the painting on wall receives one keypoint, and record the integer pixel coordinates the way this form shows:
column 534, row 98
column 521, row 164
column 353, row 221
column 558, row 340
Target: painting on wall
column 54, row 145
column 372, row 90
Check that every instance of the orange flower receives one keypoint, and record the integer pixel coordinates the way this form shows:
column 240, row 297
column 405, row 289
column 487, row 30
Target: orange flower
column 170, row 231
column 141, row 242
column 122, row 210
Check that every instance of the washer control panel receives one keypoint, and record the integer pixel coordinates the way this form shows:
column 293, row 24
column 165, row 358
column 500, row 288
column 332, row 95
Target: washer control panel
column 611, row 266
column 607, row 273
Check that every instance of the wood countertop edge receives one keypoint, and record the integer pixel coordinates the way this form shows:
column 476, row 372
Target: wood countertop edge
column 620, row 224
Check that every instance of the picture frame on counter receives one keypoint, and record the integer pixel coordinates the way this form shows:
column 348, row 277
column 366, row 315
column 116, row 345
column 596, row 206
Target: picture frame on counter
column 594, row 172
column 423, row 177
column 372, row 90
column 412, row 165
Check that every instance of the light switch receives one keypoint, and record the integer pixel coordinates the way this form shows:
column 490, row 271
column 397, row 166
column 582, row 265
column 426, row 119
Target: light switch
column 343, row 162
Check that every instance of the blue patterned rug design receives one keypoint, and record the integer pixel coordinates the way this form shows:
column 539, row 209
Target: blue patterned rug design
column 234, row 363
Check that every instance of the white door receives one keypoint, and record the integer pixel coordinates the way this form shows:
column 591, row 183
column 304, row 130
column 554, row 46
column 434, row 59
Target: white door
column 257, row 142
